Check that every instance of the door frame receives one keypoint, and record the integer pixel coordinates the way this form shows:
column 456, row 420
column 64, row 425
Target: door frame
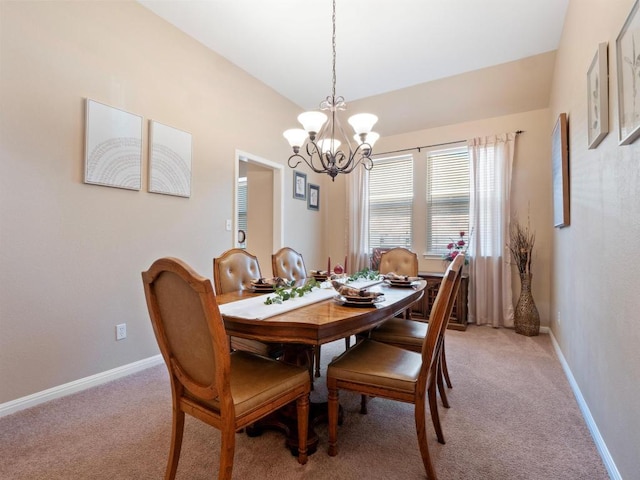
column 278, row 195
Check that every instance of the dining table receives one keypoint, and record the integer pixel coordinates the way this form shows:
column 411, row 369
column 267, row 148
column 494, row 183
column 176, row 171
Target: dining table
column 318, row 317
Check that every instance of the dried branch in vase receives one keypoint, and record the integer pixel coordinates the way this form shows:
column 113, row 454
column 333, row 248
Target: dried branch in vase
column 521, row 244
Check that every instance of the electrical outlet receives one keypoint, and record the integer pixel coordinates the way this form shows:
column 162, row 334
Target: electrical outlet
column 227, row 225
column 121, row 331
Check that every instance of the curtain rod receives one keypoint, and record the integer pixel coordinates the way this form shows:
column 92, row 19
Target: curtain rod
column 518, row 132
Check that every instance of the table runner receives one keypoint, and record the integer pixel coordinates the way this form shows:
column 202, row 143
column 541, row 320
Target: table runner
column 254, row 308
column 364, row 283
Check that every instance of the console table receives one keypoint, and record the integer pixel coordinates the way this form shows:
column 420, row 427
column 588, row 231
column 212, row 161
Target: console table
column 420, row 310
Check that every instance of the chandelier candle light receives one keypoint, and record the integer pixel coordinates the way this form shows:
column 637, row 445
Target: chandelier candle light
column 323, row 139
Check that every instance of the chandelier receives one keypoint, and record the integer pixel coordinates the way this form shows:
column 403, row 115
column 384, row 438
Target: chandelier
column 323, row 138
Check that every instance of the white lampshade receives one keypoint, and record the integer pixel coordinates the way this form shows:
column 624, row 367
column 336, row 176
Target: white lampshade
column 362, row 122
column 295, row 136
column 312, row 121
column 329, row 144
column 370, row 138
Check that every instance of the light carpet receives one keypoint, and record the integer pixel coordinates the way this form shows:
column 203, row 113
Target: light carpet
column 512, row 416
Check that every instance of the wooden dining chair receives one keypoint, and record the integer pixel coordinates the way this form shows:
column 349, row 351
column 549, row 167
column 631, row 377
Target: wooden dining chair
column 234, row 270
column 289, row 264
column 399, row 260
column 381, row 370
column 225, row 390
column 402, row 262
column 410, row 334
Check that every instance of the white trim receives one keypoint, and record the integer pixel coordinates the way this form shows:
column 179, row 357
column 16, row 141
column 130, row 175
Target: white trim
column 609, row 464
column 77, row 385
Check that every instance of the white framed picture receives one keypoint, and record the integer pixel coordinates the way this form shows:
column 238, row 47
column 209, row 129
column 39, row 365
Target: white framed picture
column 628, row 70
column 560, row 172
column 598, row 97
column 169, row 160
column 113, row 147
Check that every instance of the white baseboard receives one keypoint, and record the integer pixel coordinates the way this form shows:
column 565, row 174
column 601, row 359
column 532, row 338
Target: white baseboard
column 609, row 464
column 77, row 385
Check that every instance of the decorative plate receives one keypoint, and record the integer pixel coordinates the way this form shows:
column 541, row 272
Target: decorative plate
column 357, row 301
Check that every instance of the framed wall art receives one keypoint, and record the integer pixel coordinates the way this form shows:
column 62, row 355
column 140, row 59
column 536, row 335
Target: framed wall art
column 598, row 97
column 169, row 160
column 113, row 147
column 628, row 70
column 313, row 201
column 560, row 171
column 299, row 185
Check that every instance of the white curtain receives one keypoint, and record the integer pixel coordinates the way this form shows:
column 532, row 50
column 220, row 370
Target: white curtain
column 358, row 220
column 490, row 300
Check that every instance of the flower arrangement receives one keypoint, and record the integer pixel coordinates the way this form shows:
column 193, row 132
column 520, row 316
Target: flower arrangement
column 521, row 241
column 455, row 248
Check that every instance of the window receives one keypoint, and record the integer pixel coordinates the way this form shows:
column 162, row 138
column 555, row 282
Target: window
column 442, row 183
column 391, row 202
column 448, row 184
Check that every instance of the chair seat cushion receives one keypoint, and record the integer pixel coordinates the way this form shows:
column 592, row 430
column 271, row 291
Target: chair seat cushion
column 257, row 380
column 377, row 364
column 399, row 331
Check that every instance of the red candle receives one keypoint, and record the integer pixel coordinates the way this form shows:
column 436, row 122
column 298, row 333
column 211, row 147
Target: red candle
column 329, row 264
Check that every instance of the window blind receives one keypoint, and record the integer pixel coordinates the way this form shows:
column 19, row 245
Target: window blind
column 391, row 202
column 242, row 207
column 448, row 185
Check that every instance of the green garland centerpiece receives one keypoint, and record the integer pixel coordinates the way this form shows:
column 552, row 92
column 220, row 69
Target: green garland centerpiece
column 365, row 274
column 282, row 294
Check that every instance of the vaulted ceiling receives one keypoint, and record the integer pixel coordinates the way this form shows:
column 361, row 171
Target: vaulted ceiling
column 415, row 63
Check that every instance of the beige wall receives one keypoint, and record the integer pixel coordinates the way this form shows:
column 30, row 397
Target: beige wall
column 531, row 191
column 595, row 301
column 71, row 253
column 260, row 216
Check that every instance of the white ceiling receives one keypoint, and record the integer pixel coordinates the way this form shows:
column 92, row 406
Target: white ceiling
column 382, row 45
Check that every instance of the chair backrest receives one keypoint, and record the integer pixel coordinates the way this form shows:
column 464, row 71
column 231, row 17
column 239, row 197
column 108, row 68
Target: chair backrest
column 399, row 260
column 234, row 270
column 438, row 319
column 189, row 329
column 454, row 295
column 288, row 264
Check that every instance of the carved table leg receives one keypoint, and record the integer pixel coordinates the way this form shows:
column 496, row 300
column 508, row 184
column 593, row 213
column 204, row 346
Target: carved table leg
column 286, row 419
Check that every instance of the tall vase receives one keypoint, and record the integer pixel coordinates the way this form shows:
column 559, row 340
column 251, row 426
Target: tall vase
column 526, row 316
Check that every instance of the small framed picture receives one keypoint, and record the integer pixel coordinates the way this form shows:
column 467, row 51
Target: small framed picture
column 313, row 201
column 299, row 185
column 598, row 97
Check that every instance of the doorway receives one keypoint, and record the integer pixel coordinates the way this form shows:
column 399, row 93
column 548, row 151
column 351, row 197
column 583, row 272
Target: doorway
column 258, row 207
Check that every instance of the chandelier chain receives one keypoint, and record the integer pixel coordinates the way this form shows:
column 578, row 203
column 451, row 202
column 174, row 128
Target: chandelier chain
column 333, row 45
column 322, row 141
